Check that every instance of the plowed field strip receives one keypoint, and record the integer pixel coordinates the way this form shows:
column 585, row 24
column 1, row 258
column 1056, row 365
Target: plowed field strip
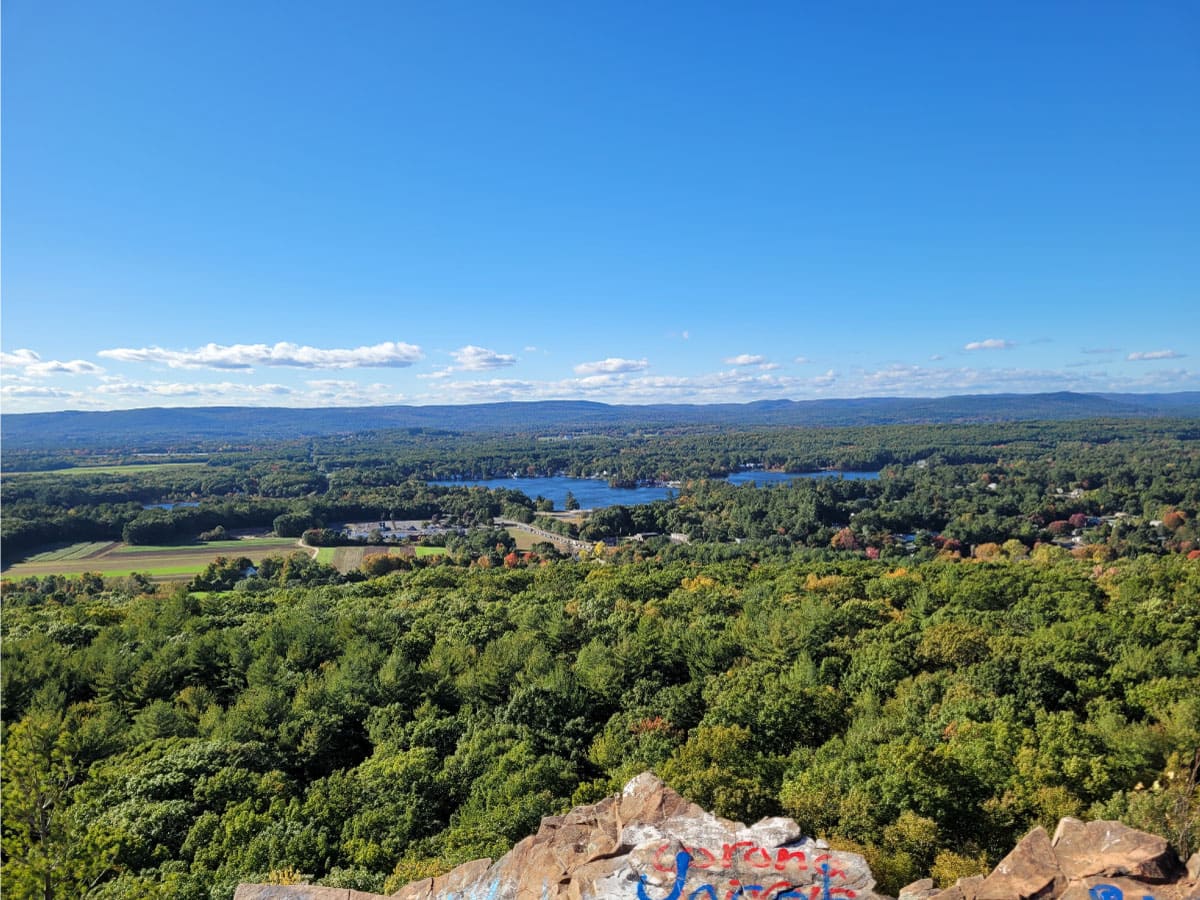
column 119, row 559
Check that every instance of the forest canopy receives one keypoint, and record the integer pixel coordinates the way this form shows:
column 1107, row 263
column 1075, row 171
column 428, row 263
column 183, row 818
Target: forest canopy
column 166, row 743
column 1003, row 628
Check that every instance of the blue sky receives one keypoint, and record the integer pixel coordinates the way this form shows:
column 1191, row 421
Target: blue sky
column 319, row 204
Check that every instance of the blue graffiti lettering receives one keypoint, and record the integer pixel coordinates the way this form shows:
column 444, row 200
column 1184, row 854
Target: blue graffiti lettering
column 682, row 860
column 1110, row 892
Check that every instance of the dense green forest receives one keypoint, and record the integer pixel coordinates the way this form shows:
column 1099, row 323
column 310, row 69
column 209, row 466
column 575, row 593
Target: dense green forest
column 1002, row 629
column 161, row 743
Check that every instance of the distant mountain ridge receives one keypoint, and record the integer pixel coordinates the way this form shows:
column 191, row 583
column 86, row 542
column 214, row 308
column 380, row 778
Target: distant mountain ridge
column 159, row 424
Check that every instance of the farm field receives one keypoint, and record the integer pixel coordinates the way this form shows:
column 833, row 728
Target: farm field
column 346, row 559
column 127, row 469
column 237, row 546
column 161, row 563
column 524, row 540
column 64, row 552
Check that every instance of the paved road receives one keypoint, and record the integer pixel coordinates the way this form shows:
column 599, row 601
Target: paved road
column 557, row 539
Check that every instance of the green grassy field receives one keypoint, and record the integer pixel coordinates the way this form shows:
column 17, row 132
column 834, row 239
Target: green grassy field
column 161, row 572
column 217, row 547
column 111, row 470
column 174, row 562
column 165, row 563
column 69, row 551
column 524, row 540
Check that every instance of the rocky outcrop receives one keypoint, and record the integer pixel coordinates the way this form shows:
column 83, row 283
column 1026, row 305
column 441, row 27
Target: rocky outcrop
column 648, row 843
column 298, row 892
column 1083, row 861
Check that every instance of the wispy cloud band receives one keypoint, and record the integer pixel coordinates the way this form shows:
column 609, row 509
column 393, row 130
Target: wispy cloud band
column 989, row 344
column 1153, row 354
column 390, row 354
column 611, row 366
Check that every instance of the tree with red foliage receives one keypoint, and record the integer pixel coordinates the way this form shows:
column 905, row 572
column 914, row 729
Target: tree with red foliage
column 844, row 540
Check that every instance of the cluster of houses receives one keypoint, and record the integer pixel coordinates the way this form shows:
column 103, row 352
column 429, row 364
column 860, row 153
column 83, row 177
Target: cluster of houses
column 397, row 530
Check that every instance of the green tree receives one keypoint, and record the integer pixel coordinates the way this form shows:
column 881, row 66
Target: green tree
column 45, row 855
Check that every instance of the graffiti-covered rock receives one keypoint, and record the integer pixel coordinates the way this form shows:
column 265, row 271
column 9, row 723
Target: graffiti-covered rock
column 649, row 843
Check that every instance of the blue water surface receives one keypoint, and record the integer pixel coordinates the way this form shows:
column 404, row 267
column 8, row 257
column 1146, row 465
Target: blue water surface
column 594, row 493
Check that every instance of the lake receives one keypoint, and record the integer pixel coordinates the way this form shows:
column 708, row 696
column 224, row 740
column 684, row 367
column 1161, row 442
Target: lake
column 593, row 493
column 181, row 504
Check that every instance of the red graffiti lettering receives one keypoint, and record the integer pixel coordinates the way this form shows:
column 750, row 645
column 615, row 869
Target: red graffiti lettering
column 783, row 856
column 735, row 887
column 658, row 859
column 830, row 870
column 763, row 855
column 730, row 849
column 698, row 863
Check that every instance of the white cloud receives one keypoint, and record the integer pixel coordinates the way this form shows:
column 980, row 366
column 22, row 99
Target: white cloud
column 477, row 359
column 613, row 365
column 731, row 386
column 18, row 359
column 33, row 366
column 989, row 344
column 937, row 357
column 745, row 359
column 33, row 392
column 824, row 381
column 389, row 354
column 1154, row 354
column 801, row 360
column 54, row 367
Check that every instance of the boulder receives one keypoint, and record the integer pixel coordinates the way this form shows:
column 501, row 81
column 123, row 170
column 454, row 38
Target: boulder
column 918, row 890
column 299, row 892
column 963, row 889
column 1109, row 849
column 454, row 882
column 1029, row 872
